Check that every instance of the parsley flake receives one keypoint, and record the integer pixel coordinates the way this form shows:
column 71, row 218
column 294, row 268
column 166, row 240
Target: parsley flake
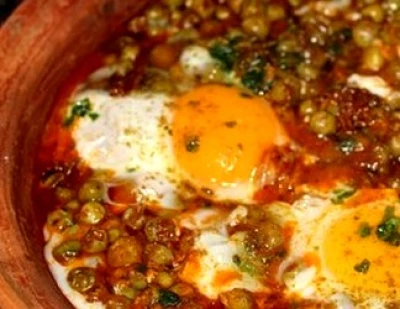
column 339, row 195
column 79, row 109
column 362, row 267
column 388, row 229
column 168, row 298
column 225, row 54
column 192, row 143
column 364, row 230
column 231, row 124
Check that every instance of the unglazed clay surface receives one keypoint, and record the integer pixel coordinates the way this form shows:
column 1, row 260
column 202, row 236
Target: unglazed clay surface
column 39, row 45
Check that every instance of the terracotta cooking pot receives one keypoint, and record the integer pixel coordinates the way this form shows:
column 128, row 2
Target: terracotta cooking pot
column 39, row 45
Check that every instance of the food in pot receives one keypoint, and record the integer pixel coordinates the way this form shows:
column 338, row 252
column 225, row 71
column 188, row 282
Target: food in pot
column 230, row 154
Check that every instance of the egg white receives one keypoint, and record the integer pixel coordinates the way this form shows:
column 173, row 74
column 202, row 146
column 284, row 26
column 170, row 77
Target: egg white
column 131, row 138
column 312, row 216
column 60, row 273
column 213, row 253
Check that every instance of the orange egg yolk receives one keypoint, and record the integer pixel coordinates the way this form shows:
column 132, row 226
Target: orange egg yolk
column 220, row 134
column 366, row 263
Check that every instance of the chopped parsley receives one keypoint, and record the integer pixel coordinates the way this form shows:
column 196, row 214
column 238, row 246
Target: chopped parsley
column 168, row 298
column 231, row 124
column 289, row 60
column 254, row 78
column 362, row 267
column 338, row 40
column 225, row 54
column 348, row 145
column 192, row 143
column 131, row 169
column 388, row 229
column 80, row 108
column 244, row 266
column 339, row 195
column 364, row 230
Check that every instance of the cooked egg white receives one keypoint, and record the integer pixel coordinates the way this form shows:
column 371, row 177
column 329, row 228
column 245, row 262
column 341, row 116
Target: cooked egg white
column 196, row 61
column 208, row 141
column 374, row 84
column 210, row 265
column 131, row 138
column 60, row 273
column 326, row 247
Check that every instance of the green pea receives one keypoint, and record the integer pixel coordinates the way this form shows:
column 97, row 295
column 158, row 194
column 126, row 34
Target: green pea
column 160, row 230
column 92, row 190
column 124, row 288
column 182, row 289
column 307, row 107
column 323, row 123
column 95, row 241
column 173, row 4
column 275, row 12
column 72, row 205
column 124, row 252
column 82, row 279
column 138, row 280
column 375, row 12
column 64, row 194
column 394, row 145
column 164, row 279
column 67, row 251
column 393, row 5
column 307, row 71
column 92, row 213
column 133, row 218
column 114, row 234
column 364, row 33
column 256, row 25
column 372, row 59
column 160, row 255
column 237, row 299
column 60, row 219
column 118, row 302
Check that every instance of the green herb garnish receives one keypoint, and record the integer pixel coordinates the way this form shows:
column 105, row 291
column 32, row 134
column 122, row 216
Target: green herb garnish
column 339, row 195
column 231, row 124
column 192, row 144
column 168, row 298
column 244, row 266
column 348, row 145
column 364, row 230
column 225, row 54
column 388, row 229
column 338, row 40
column 290, row 60
column 254, row 78
column 362, row 267
column 80, row 108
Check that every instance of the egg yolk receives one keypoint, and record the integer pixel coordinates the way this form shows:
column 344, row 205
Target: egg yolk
column 220, row 134
column 365, row 264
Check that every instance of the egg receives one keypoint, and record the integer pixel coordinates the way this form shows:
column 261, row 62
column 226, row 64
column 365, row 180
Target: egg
column 131, row 138
column 328, row 258
column 210, row 264
column 208, row 141
column 374, row 84
column 60, row 273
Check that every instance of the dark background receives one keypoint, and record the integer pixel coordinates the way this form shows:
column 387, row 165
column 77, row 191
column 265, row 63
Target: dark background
column 6, row 7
